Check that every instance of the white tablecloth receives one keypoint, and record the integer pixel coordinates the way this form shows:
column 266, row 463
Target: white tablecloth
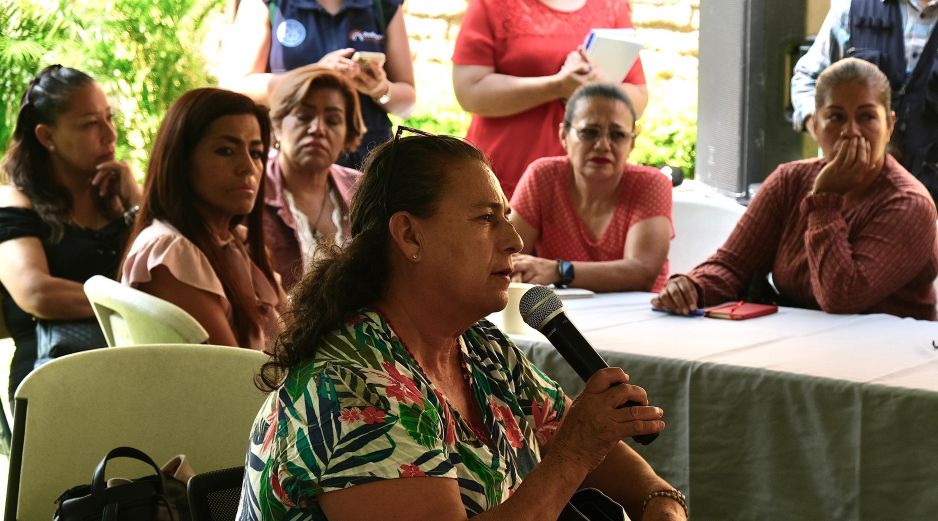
column 797, row 415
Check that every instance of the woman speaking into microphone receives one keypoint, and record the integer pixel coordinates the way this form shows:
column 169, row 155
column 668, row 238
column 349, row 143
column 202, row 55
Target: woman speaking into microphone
column 393, row 398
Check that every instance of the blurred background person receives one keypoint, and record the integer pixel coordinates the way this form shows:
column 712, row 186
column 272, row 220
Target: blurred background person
column 516, row 61
column 271, row 37
column 65, row 207
column 895, row 36
column 594, row 220
column 316, row 116
column 199, row 240
column 387, row 350
column 851, row 232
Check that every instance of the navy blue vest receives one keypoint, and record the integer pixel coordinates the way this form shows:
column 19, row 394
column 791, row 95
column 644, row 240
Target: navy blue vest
column 876, row 35
column 302, row 32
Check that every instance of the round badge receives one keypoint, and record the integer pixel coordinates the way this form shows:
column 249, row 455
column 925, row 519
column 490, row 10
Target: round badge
column 290, row 33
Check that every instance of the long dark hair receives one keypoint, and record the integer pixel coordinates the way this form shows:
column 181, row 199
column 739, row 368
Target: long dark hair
column 168, row 193
column 409, row 175
column 27, row 164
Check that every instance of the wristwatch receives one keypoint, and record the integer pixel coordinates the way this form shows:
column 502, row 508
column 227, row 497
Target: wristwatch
column 384, row 98
column 565, row 273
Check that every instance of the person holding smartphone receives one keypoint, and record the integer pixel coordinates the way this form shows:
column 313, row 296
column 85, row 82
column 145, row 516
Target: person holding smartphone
column 850, row 232
column 271, row 37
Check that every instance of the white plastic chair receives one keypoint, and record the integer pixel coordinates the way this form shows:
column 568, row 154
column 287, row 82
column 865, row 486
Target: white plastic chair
column 198, row 400
column 129, row 316
column 5, row 418
column 701, row 225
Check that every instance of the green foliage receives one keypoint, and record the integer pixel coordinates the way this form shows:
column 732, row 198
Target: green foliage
column 667, row 136
column 144, row 53
column 29, row 33
column 452, row 121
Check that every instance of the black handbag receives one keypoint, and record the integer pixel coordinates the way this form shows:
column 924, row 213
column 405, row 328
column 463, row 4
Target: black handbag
column 589, row 504
column 55, row 338
column 158, row 497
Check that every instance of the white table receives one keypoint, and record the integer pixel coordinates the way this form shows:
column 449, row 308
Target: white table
column 799, row 415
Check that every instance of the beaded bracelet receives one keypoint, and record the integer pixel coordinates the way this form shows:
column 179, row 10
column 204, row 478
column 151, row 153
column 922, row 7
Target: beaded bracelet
column 673, row 494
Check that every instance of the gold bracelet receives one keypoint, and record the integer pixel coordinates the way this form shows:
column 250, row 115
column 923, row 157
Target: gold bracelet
column 674, row 494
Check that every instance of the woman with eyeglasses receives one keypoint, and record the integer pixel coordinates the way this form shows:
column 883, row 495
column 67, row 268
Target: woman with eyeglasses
column 590, row 219
column 394, row 398
column 851, row 232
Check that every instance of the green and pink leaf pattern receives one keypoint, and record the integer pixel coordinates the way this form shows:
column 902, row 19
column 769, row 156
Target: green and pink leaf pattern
column 361, row 411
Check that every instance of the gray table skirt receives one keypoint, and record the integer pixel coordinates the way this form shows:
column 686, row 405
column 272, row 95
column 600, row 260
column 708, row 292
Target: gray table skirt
column 753, row 444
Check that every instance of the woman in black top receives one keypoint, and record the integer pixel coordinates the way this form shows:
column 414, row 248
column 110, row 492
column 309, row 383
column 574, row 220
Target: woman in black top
column 65, row 206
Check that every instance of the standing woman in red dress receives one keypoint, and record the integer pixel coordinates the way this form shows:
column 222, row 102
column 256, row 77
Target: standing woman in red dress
column 514, row 64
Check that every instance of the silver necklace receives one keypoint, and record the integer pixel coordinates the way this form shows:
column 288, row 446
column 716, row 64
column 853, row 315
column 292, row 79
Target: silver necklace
column 318, row 235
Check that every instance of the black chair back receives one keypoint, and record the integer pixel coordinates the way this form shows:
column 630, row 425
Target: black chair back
column 214, row 496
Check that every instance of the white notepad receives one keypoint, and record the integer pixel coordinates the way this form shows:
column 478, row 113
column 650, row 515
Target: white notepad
column 570, row 293
column 613, row 51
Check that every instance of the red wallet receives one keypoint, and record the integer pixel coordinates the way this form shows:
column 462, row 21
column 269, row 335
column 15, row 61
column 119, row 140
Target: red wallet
column 741, row 310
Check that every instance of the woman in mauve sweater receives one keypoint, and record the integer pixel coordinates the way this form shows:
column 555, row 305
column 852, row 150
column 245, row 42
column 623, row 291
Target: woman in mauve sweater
column 851, row 232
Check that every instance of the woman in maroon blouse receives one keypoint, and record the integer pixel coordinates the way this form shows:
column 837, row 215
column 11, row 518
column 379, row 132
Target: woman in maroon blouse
column 851, row 232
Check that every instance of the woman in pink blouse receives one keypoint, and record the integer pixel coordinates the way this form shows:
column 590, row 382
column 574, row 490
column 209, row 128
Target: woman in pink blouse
column 198, row 240
column 594, row 220
column 852, row 232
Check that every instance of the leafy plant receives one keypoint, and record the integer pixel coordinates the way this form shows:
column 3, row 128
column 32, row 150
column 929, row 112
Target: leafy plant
column 667, row 136
column 31, row 32
column 144, row 53
column 452, row 121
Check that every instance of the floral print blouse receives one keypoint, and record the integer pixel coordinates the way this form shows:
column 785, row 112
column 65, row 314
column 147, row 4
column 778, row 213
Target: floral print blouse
column 362, row 411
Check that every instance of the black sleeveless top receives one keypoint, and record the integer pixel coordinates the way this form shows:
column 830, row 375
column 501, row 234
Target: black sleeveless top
column 80, row 254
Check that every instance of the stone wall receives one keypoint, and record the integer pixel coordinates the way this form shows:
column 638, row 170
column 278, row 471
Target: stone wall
column 668, row 28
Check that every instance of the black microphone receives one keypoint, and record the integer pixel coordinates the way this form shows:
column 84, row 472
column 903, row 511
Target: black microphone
column 541, row 309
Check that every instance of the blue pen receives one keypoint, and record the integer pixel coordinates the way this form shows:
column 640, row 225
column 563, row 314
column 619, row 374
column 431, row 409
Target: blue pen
column 589, row 40
column 695, row 313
